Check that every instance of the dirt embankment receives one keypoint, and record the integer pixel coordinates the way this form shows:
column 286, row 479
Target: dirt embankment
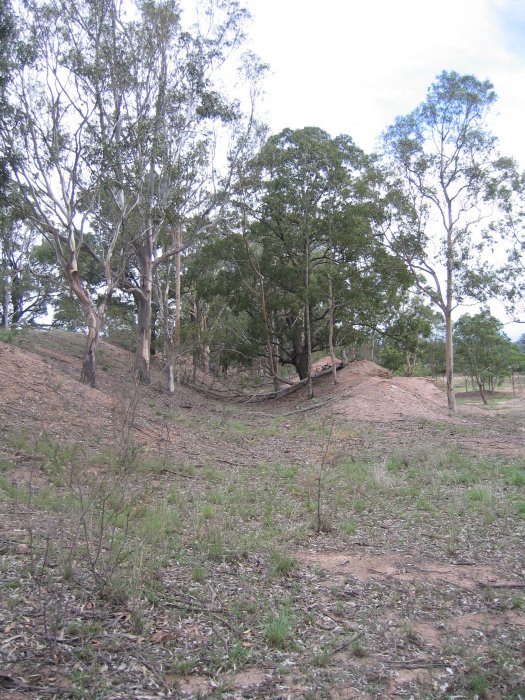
column 369, row 392
column 42, row 386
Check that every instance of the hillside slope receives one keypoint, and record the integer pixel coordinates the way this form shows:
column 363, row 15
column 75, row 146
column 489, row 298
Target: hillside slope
column 361, row 544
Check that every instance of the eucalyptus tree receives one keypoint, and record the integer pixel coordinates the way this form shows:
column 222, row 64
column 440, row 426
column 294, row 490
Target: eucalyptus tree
column 446, row 158
column 302, row 259
column 115, row 106
column 57, row 160
column 484, row 352
column 7, row 44
column 172, row 115
column 201, row 188
column 513, row 228
column 28, row 286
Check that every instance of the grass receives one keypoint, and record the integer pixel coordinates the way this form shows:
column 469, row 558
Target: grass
column 282, row 565
column 215, row 559
column 277, row 629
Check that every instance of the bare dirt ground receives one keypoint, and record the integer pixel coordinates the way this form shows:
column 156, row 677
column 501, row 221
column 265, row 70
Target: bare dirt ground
column 362, row 544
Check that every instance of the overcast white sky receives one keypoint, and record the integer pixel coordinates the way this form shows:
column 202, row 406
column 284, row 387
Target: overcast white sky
column 352, row 66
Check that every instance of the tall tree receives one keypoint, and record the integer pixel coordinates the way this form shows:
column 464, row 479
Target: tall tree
column 58, row 164
column 7, row 40
column 302, row 256
column 447, row 160
column 114, row 109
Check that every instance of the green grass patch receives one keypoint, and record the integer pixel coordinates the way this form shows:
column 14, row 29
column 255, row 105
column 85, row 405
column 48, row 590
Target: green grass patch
column 349, row 527
column 281, row 564
column 514, row 476
column 277, row 630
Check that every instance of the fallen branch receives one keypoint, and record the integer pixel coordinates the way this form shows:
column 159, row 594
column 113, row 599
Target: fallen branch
column 417, row 663
column 190, row 607
column 172, row 471
column 238, row 397
column 482, row 584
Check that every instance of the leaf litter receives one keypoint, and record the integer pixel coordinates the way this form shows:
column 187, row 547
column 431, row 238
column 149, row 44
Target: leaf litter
column 411, row 590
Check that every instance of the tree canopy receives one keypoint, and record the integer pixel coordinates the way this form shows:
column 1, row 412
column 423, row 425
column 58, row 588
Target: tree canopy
column 447, row 161
column 140, row 191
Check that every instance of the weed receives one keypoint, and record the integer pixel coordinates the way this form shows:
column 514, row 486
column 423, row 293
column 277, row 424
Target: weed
column 214, row 476
column 397, row 462
column 358, row 505
column 357, row 649
column 467, row 477
column 150, row 465
column 478, row 684
column 216, row 551
column 357, row 473
column 181, row 665
column 277, row 630
column 238, row 655
column 198, row 574
column 208, row 511
column 282, row 565
column 242, row 608
column 173, row 498
column 157, row 523
column 322, row 659
column 349, row 527
column 410, row 634
column 5, row 466
column 514, row 476
column 12, row 584
column 216, row 497
column 424, row 505
column 481, row 496
column 321, row 523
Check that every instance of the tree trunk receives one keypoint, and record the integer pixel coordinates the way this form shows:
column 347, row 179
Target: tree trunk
column 482, row 393
column 331, row 319
column 449, row 362
column 178, row 244
column 300, row 361
column 94, row 318
column 171, row 379
column 89, row 364
column 307, row 319
column 449, row 347
column 143, row 299
column 5, row 300
column 272, row 362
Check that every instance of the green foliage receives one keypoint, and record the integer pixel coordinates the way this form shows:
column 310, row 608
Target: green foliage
column 446, row 158
column 483, row 351
column 408, row 336
column 27, row 284
column 308, row 221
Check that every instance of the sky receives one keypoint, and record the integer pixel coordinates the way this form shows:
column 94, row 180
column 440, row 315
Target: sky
column 353, row 66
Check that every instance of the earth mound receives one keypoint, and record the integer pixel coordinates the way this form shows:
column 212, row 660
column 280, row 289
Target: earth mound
column 39, row 384
column 366, row 391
